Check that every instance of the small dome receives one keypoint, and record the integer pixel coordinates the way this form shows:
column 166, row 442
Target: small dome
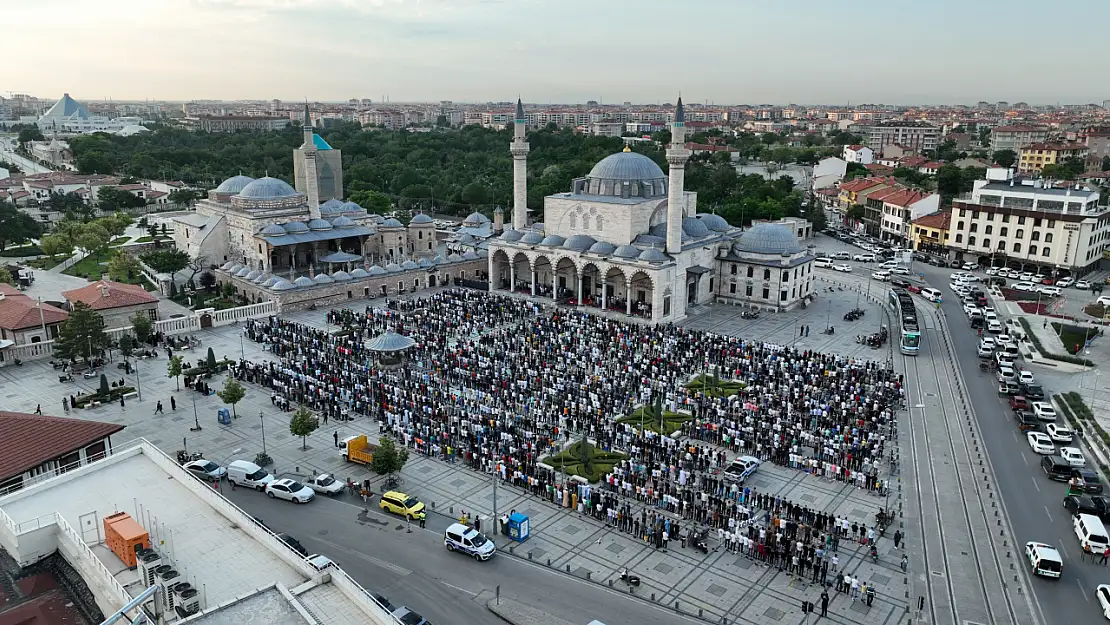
column 420, row 219
column 234, row 184
column 359, row 272
column 553, row 240
column 627, row 251
column 538, row 226
column 470, row 255
column 510, row 235
column 267, row 189
column 466, row 237
column 392, row 223
column 531, row 238
column 660, row 230
column 295, row 227
column 409, row 265
column 653, row 255
column 376, row 218
column 475, row 219
column 229, row 264
column 319, row 224
column 254, row 275
column 439, row 259
column 716, row 223
column 424, row 263
column 235, row 269
column 453, row 258
column 695, row 227
column 342, row 222
column 376, row 271
column 272, row 230
column 579, row 242
column 649, row 240
column 323, row 278
column 393, row 268
column 604, row 248
column 331, row 207
column 626, row 166
column 303, row 281
column 283, row 285
column 351, row 207
column 768, row 239
column 271, row 281
column 341, row 276
column 243, row 273
column 263, row 277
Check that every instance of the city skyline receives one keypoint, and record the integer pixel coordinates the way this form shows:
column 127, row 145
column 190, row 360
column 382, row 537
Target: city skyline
column 493, row 50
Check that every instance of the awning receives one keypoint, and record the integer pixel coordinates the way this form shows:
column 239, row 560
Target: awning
column 698, row 270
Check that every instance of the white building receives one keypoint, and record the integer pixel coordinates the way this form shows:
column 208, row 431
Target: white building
column 69, row 116
column 828, row 172
column 913, row 135
column 859, row 154
column 628, row 238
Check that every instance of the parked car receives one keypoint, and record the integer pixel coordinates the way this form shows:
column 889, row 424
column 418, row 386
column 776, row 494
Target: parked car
column 825, row 263
column 1024, row 286
column 899, row 282
column 290, row 490
column 1050, row 291
column 864, row 258
column 1064, row 283
column 1082, row 284
column 846, row 268
column 325, row 484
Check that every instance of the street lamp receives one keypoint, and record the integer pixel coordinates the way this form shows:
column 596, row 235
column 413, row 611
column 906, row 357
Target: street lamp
column 196, row 418
column 263, row 422
column 138, row 383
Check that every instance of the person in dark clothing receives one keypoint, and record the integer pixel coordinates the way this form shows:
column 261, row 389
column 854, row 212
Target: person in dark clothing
column 825, row 603
column 870, row 594
column 897, row 538
column 336, row 436
column 173, row 403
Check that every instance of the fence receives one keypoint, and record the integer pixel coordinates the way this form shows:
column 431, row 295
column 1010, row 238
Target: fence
column 77, row 257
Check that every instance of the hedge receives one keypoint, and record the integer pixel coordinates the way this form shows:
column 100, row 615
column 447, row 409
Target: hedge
column 599, row 463
column 672, row 421
column 1077, row 413
column 716, row 387
column 18, row 252
column 1051, row 355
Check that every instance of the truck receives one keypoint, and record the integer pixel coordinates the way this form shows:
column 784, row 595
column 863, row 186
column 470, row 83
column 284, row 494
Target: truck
column 357, row 449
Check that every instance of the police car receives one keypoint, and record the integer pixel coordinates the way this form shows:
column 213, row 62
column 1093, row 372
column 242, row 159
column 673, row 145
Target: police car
column 461, row 538
column 1044, row 559
column 741, row 469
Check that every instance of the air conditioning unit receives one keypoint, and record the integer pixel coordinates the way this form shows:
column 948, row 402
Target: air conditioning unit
column 149, row 560
column 188, row 601
column 168, row 580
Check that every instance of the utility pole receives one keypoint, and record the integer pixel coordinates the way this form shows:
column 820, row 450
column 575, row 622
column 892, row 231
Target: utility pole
column 263, row 422
column 495, row 475
column 138, row 383
column 196, row 418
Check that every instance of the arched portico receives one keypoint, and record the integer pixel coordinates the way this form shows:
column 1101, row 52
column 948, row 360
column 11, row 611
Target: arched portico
column 520, row 273
column 615, row 294
column 542, row 276
column 499, row 270
column 590, row 285
column 641, row 291
column 565, row 279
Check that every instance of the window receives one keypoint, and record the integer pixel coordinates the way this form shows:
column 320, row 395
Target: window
column 990, row 216
column 1003, row 231
column 766, row 274
column 732, row 288
column 986, row 243
column 971, row 241
column 748, row 290
column 1032, row 250
column 1046, row 251
column 420, row 235
column 1036, row 236
column 1020, row 233
column 1001, row 245
column 1005, row 219
column 782, row 296
column 1048, row 236
column 766, row 293
column 751, row 272
column 1017, row 248
column 786, row 276
column 974, row 228
column 1037, row 222
column 733, row 271
column 988, row 229
column 1051, row 223
column 959, row 224
column 959, row 238
column 1021, row 220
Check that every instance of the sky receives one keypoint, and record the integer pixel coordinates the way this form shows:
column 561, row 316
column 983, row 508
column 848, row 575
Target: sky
column 561, row 51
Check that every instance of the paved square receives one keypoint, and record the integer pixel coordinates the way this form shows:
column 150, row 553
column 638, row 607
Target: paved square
column 808, row 498
column 881, row 579
column 743, row 563
column 774, row 613
column 664, row 568
column 615, row 548
column 714, row 589
column 537, row 553
column 457, row 483
column 571, row 529
column 859, row 606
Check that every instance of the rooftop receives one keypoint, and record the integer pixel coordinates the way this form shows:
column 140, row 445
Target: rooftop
column 30, row 440
column 105, row 294
column 19, row 312
column 939, row 221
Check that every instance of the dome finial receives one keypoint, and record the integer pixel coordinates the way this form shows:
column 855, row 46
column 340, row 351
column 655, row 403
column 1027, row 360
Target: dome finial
column 626, row 148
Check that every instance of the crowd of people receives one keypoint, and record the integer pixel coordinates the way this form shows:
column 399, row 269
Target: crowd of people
column 499, row 382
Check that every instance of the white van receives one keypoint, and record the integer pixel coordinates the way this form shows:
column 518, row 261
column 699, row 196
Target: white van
column 931, row 294
column 248, row 474
column 459, row 537
column 1044, row 559
column 1091, row 533
column 826, row 263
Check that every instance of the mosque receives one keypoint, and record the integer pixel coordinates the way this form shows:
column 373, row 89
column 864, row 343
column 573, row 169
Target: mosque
column 629, row 239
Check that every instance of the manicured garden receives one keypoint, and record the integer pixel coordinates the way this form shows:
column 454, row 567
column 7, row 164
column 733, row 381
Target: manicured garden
column 713, row 386
column 585, row 460
column 655, row 419
column 1073, row 337
column 1051, row 355
column 21, row 251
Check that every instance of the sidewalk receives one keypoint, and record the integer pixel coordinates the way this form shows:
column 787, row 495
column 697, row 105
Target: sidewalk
column 517, row 613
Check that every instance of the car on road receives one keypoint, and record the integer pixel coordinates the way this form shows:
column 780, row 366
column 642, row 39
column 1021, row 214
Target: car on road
column 959, row 276
column 846, row 268
column 205, row 469
column 1044, row 559
column 842, row 255
column 1102, row 591
column 864, row 258
column 984, row 351
column 400, row 503
column 1064, row 283
column 1082, row 284
column 290, row 490
column 1018, row 402
column 1006, row 374
column 1058, row 433
column 1091, row 532
column 882, row 276
column 1103, row 300
column 1026, row 422
column 325, row 484
column 1025, row 276
column 900, row 271
column 1085, row 504
column 1049, row 291
column 968, row 266
column 408, row 617
column 1024, row 286
column 293, row 544
column 249, row 474
column 988, row 342
column 459, row 537
column 1026, row 376
column 899, row 282
column 994, row 326
column 824, row 263
column 972, row 308
column 931, row 294
column 1073, row 456
column 1044, row 411
column 1032, row 391
column 1040, row 443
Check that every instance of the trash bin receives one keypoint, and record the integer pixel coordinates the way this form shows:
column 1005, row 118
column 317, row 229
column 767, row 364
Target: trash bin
column 223, row 415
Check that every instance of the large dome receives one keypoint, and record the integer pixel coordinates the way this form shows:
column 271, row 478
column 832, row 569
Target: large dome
column 769, row 239
column 626, row 166
column 267, row 189
column 234, row 184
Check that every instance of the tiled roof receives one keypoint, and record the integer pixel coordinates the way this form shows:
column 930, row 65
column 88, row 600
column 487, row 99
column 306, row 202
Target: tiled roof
column 17, row 311
column 905, row 198
column 939, row 221
column 855, row 147
column 30, row 440
column 115, row 295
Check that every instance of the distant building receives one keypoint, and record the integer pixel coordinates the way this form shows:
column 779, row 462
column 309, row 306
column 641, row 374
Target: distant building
column 1016, row 137
column 53, row 152
column 1035, row 156
column 858, row 154
column 24, row 320
column 69, row 116
column 917, row 136
column 232, row 123
column 115, row 301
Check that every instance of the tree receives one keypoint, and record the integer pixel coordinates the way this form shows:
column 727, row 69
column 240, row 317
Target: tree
column 16, row 226
column 303, row 423
column 210, row 361
column 126, row 346
column 195, row 263
column 93, row 238
column 124, row 268
column 232, row 393
column 169, row 260
column 6, row 276
column 11, row 167
column 1005, row 158
column 185, row 197
column 950, row 182
column 142, row 326
column 173, row 370
column 372, row 201
column 388, row 458
column 104, row 389
column 29, row 132
column 1106, row 163
column 82, row 334
column 113, row 199
column 208, row 280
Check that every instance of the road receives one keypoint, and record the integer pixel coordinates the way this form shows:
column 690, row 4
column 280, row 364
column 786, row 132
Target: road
column 28, row 166
column 415, row 569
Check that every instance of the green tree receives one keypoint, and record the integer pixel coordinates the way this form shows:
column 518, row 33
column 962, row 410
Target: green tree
column 207, row 281
column 950, row 182
column 985, row 137
column 6, row 276
column 169, row 260
column 388, row 458
column 303, row 423
column 232, row 393
column 16, row 226
column 105, row 390
column 82, row 334
column 94, row 239
column 1005, row 158
column 142, row 326
column 1106, row 163
column 173, row 370
column 185, row 197
column 948, row 151
column 124, row 268
column 111, row 199
column 126, row 346
column 210, row 361
column 29, row 132
column 372, row 201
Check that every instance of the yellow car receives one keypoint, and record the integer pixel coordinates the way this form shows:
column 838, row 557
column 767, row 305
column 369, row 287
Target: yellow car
column 400, row 503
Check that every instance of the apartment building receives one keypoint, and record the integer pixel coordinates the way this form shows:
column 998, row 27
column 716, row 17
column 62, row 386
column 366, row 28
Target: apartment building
column 1097, row 141
column 232, row 123
column 1036, row 156
column 896, row 208
column 1017, row 137
column 1007, row 220
column 912, row 135
column 858, row 154
column 929, row 233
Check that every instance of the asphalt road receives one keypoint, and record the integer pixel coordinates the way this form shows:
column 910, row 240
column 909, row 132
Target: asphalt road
column 1033, row 501
column 414, row 569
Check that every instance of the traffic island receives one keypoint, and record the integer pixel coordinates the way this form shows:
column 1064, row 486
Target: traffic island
column 517, row 613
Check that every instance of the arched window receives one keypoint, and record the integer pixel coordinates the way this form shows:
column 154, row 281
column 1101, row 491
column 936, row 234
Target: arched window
column 1017, row 248
column 1020, row 233
column 974, row 227
column 585, row 222
column 971, row 241
column 1001, row 245
column 1046, row 251
column 988, row 229
column 1033, row 250
column 1048, row 237
column 1004, row 231
column 986, row 242
column 600, row 223
column 1036, row 236
column 573, row 220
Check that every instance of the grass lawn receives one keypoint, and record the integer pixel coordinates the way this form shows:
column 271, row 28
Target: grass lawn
column 1073, row 337
column 149, row 239
column 88, row 268
column 45, row 262
column 118, row 241
column 598, row 462
column 21, row 251
column 671, row 421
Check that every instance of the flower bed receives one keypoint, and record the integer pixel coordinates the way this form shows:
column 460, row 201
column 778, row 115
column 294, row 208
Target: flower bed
column 585, row 460
column 113, row 396
column 1033, row 308
column 650, row 420
column 1047, row 354
column 1014, row 295
column 715, row 387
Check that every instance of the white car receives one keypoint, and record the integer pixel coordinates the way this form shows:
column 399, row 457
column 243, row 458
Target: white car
column 890, row 264
column 959, row 287
column 985, row 352
column 959, row 276
column 1104, row 300
column 842, row 255
column 987, row 342
column 843, row 267
column 1025, row 276
column 290, row 490
column 1006, row 374
column 972, row 308
column 1051, row 291
column 900, row 271
column 1026, row 377
column 864, row 258
column 1073, row 456
column 1044, row 411
column 205, row 469
column 1024, row 286
column 968, row 266
column 993, row 271
column 994, row 325
column 1103, row 594
column 931, row 294
column 1059, row 433
column 325, row 484
column 825, row 263
column 1038, row 277
column 1082, row 284
column 882, row 276
column 1040, row 443
column 1064, row 283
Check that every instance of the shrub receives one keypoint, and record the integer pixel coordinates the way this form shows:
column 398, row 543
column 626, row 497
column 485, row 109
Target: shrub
column 113, row 395
column 1095, row 310
column 17, row 252
column 585, row 460
column 650, row 418
column 716, row 387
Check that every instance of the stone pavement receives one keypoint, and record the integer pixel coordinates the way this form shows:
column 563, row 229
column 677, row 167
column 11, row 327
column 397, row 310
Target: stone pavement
column 517, row 613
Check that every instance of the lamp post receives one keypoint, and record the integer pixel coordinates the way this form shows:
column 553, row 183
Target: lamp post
column 242, row 347
column 138, row 383
column 196, row 418
column 263, row 422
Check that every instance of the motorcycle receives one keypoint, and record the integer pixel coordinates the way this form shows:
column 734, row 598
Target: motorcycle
column 629, row 578
column 700, row 541
column 828, row 330
column 66, row 378
column 185, row 456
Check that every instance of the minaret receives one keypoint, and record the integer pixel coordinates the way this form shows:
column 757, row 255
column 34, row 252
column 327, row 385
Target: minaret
column 312, row 183
column 677, row 155
column 519, row 149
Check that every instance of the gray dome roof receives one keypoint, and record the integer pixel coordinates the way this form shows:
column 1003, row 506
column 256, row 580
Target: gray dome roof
column 393, row 268
column 295, row 227
column 283, row 285
column 531, row 238
column 323, row 278
column 420, row 219
column 376, row 271
column 392, row 223
column 769, row 239
column 254, row 275
column 510, row 235
column 234, row 269
column 470, row 255
column 319, row 224
column 243, row 273
column 653, row 255
column 272, row 230
column 409, row 265
column 389, row 342
column 553, row 240
column 234, row 184
column 271, row 281
column 453, row 258
column 626, row 166
column 475, row 219
column 716, row 223
column 579, row 242
column 603, row 247
column 261, row 278
column 439, row 259
column 229, row 264
column 627, row 251
column 351, row 207
column 331, row 207
column 342, row 222
column 694, row 227
column 341, row 276
column 650, row 240
column 660, row 230
column 267, row 189
column 304, row 281
column 424, row 263
column 466, row 237
column 359, row 272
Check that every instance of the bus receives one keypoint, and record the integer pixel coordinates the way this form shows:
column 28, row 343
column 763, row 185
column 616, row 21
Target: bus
column 909, row 333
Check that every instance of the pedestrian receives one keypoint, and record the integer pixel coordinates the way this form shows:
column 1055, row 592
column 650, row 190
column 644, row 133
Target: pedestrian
column 897, row 538
column 477, row 523
column 870, row 594
column 807, row 330
column 159, row 410
column 335, row 435
column 121, row 403
column 38, row 409
column 801, row 331
column 65, row 404
column 854, row 585
column 173, row 403
column 1105, row 556
column 825, row 603
column 423, row 520
column 325, row 417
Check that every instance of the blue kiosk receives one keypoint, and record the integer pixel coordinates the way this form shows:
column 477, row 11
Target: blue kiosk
column 223, row 416
column 519, row 527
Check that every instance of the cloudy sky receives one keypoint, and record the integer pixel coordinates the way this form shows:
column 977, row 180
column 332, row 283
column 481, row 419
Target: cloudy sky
column 721, row 51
